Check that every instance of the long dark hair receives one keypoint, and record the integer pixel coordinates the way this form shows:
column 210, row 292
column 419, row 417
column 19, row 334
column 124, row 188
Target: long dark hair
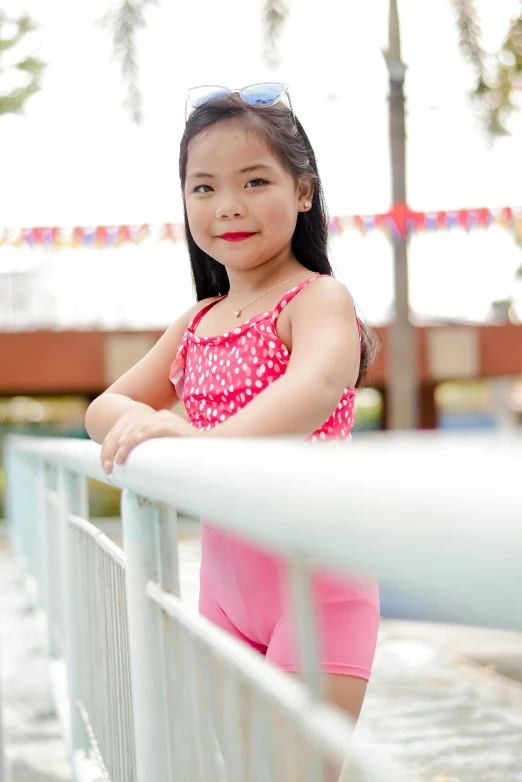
column 286, row 138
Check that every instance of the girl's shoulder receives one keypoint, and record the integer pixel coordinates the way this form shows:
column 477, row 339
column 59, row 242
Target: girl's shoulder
column 320, row 306
column 322, row 292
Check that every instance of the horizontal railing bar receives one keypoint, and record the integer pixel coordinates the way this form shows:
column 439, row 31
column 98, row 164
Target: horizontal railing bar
column 444, row 509
column 102, row 540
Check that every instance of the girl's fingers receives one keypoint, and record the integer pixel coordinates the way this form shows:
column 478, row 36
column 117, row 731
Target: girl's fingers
column 111, row 446
column 116, row 448
column 127, row 442
column 109, row 449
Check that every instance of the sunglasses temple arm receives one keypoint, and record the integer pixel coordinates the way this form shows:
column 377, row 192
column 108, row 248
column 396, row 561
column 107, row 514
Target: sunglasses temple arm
column 290, row 102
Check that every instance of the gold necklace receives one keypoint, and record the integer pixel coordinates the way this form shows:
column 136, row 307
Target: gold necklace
column 239, row 310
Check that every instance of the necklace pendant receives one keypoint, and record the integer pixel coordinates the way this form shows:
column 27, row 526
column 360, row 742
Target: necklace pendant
column 237, row 313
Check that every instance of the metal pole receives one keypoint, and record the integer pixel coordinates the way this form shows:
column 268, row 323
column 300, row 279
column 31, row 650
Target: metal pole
column 148, row 688
column 402, row 388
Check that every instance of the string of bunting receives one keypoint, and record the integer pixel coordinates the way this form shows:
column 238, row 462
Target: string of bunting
column 397, row 224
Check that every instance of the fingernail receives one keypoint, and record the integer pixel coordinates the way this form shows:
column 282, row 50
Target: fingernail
column 107, row 467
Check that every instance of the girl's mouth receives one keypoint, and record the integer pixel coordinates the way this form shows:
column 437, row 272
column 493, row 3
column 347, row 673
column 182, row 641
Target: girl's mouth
column 235, row 237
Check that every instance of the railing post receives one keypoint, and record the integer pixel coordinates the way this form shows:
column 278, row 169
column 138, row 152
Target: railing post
column 150, row 712
column 51, row 553
column 72, row 489
column 167, row 550
column 299, row 576
column 22, row 516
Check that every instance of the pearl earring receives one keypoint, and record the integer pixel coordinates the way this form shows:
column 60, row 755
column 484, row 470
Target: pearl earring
column 307, row 204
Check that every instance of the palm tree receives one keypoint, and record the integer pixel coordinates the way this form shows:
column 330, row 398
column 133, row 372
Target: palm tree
column 499, row 76
column 14, row 29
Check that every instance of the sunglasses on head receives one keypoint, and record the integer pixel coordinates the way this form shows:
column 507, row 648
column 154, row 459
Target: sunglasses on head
column 262, row 94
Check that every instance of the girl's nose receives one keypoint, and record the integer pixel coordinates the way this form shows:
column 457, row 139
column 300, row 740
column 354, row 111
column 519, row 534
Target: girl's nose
column 230, row 208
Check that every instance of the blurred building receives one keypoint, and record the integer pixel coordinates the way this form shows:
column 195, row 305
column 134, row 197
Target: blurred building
column 463, row 370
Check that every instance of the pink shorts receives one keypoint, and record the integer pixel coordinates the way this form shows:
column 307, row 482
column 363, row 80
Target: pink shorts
column 244, row 590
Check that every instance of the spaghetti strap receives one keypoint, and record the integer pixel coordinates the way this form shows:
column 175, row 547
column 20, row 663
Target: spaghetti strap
column 203, row 311
column 289, row 295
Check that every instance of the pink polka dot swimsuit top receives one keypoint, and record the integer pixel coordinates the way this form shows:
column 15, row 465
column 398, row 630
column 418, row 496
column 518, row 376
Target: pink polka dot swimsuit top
column 217, row 376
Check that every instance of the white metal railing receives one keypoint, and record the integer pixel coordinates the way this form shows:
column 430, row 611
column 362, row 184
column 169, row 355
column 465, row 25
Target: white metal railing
column 150, row 684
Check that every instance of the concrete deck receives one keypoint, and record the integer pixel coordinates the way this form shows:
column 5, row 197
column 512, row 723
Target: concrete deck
column 444, row 717
column 35, row 750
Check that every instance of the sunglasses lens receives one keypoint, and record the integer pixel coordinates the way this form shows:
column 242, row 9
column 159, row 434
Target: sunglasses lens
column 262, row 94
column 197, row 96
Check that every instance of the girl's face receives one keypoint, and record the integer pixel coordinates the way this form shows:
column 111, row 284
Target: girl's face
column 234, row 184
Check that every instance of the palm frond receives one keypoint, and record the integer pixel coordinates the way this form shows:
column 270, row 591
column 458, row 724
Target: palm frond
column 505, row 97
column 499, row 76
column 470, row 33
column 275, row 13
column 14, row 101
column 124, row 21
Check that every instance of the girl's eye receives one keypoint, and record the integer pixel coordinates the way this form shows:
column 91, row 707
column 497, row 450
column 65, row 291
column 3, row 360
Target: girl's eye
column 258, row 180
column 252, row 183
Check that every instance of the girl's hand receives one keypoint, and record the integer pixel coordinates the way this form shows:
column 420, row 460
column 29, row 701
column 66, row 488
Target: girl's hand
column 135, row 428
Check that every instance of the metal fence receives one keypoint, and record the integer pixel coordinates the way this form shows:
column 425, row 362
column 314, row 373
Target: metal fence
column 156, row 693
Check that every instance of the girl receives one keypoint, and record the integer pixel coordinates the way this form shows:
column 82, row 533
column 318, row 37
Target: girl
column 273, row 347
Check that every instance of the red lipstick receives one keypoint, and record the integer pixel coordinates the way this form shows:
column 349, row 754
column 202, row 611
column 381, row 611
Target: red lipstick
column 235, row 237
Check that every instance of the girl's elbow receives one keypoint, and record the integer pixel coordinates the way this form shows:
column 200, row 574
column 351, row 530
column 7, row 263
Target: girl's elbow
column 88, row 422
column 91, row 421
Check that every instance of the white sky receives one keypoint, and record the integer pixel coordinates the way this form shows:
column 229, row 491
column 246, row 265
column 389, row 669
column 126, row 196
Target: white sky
column 75, row 158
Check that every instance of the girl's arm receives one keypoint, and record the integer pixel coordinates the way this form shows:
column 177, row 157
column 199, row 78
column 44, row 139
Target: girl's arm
column 145, row 388
column 324, row 361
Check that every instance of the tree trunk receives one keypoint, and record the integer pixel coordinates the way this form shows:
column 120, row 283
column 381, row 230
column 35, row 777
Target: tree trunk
column 402, row 370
